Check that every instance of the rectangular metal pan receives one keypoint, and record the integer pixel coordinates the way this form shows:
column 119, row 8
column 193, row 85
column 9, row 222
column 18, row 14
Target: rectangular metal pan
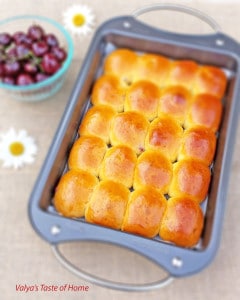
column 126, row 32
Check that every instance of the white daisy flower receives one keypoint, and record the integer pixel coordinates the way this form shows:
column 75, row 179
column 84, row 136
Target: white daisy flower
column 79, row 19
column 17, row 149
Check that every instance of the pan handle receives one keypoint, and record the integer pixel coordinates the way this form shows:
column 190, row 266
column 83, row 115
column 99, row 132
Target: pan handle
column 180, row 8
column 106, row 283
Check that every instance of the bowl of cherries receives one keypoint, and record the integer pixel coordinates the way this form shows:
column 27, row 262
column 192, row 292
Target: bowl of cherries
column 35, row 55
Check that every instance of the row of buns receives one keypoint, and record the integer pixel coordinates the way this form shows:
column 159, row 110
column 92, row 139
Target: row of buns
column 164, row 133
column 144, row 211
column 129, row 66
column 188, row 176
column 142, row 161
column 149, row 100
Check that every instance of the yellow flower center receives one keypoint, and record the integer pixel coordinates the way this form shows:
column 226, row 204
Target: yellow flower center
column 79, row 20
column 16, row 148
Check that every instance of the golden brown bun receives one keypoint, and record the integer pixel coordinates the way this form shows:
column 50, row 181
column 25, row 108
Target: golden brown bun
column 210, row 80
column 175, row 101
column 153, row 169
column 183, row 72
column 108, row 204
column 107, row 91
column 97, row 122
column 119, row 164
column 144, row 212
column 87, row 154
column 122, row 63
column 130, row 129
column 191, row 179
column 182, row 222
column 165, row 135
column 143, row 96
column 206, row 110
column 73, row 193
column 154, row 68
column 198, row 143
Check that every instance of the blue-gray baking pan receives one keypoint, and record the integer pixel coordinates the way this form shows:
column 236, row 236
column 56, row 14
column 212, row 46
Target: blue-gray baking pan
column 127, row 32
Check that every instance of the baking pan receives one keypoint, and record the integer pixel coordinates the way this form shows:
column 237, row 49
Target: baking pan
column 127, row 32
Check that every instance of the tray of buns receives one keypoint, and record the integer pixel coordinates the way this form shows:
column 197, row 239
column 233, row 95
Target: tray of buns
column 142, row 155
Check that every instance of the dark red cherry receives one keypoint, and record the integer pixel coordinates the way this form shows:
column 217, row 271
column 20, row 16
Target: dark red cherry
column 2, row 70
column 35, row 32
column 59, row 53
column 12, row 68
column 51, row 40
column 20, row 37
column 50, row 64
column 22, row 51
column 27, row 40
column 5, row 39
column 24, row 79
column 40, row 48
column 8, row 80
column 41, row 76
column 30, row 67
column 11, row 53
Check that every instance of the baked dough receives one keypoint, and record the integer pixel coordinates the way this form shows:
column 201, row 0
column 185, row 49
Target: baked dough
column 143, row 96
column 122, row 63
column 198, row 143
column 154, row 68
column 210, row 80
column 183, row 73
column 87, row 154
column 108, row 91
column 191, row 179
column 108, row 204
column 73, row 193
column 206, row 110
column 182, row 222
column 175, row 101
column 144, row 212
column 97, row 122
column 165, row 135
column 153, row 169
column 119, row 165
column 129, row 128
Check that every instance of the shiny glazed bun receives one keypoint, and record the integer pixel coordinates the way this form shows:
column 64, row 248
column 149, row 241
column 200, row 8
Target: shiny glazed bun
column 182, row 73
column 107, row 91
column 144, row 212
column 122, row 63
column 73, row 193
column 175, row 101
column 143, row 96
column 97, row 122
column 191, row 179
column 153, row 169
column 165, row 135
column 130, row 129
column 154, row 68
column 119, row 164
column 87, row 154
column 210, row 80
column 108, row 204
column 198, row 143
column 206, row 110
column 182, row 222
